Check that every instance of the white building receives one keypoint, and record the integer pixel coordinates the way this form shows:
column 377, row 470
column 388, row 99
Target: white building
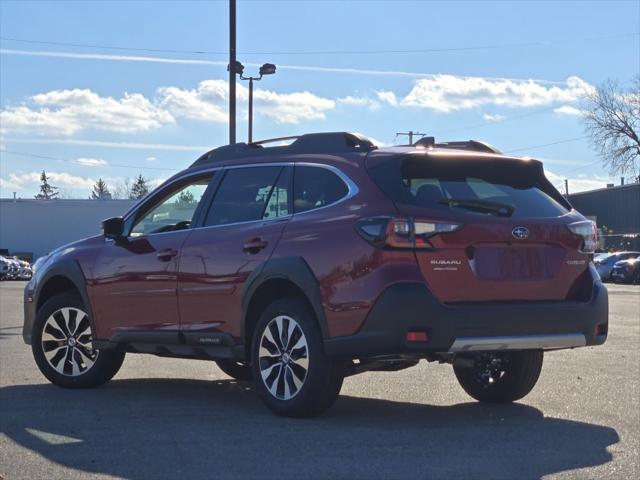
column 36, row 227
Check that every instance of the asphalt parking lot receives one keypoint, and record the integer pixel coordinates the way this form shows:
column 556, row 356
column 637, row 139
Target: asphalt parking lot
column 164, row 418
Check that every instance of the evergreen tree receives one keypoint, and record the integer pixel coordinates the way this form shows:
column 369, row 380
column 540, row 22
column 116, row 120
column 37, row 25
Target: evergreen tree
column 100, row 191
column 185, row 198
column 139, row 188
column 47, row 191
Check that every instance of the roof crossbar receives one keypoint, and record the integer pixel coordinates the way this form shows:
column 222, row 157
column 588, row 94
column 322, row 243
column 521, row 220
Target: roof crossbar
column 329, row 142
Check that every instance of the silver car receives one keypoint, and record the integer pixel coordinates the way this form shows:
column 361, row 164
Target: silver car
column 604, row 262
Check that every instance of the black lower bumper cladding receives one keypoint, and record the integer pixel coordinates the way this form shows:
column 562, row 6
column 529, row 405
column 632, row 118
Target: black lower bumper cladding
column 405, row 307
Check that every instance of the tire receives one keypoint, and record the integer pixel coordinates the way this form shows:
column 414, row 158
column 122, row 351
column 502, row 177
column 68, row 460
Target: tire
column 309, row 382
column 501, row 377
column 61, row 345
column 238, row 370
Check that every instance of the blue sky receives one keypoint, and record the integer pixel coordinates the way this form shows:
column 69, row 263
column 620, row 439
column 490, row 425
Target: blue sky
column 112, row 92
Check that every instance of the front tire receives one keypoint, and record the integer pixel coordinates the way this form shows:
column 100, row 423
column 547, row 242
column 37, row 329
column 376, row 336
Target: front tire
column 292, row 374
column 62, row 347
column 500, row 377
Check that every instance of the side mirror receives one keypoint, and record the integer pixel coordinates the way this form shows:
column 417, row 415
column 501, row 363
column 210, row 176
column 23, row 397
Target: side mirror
column 113, row 227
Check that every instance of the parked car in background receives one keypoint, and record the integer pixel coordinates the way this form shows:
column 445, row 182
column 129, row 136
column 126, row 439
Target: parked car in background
column 13, row 268
column 604, row 262
column 626, row 271
column 24, row 269
column 4, row 268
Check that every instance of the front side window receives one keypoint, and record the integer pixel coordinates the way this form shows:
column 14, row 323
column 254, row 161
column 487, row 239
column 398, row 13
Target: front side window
column 174, row 211
column 316, row 187
column 249, row 194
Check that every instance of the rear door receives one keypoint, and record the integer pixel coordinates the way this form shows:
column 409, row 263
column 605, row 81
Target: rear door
column 241, row 229
column 512, row 240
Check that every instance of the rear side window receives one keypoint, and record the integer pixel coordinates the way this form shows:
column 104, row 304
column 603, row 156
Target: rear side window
column 500, row 188
column 316, row 187
column 245, row 195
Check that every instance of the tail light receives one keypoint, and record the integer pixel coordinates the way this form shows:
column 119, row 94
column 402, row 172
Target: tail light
column 402, row 232
column 589, row 233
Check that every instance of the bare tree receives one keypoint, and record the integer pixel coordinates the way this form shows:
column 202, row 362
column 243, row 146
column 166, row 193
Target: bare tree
column 612, row 120
column 122, row 190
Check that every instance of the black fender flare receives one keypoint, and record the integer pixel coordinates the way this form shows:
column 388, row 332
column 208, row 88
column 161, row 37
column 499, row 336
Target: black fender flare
column 293, row 269
column 71, row 270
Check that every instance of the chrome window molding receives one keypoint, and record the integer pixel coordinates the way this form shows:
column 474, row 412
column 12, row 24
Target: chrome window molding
column 352, row 188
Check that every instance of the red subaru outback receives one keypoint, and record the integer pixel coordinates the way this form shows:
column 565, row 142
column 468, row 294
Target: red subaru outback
column 298, row 265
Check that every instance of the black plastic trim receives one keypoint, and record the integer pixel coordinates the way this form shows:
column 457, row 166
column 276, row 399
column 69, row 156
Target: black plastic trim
column 293, row 269
column 411, row 306
column 67, row 268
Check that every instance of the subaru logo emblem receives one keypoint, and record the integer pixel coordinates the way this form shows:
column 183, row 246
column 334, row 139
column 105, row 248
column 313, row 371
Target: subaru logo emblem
column 520, row 233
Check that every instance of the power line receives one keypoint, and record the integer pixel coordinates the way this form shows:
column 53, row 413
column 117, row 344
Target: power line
column 497, row 122
column 325, row 52
column 546, row 144
column 46, row 157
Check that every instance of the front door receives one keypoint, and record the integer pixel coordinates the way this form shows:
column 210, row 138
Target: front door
column 240, row 232
column 135, row 278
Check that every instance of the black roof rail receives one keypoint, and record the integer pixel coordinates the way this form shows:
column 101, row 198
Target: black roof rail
column 329, row 142
column 474, row 145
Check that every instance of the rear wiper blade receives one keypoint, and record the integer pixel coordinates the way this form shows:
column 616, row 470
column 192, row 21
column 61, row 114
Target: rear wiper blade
column 482, row 206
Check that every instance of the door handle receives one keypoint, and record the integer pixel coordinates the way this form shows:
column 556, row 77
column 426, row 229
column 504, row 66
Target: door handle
column 254, row 245
column 167, row 254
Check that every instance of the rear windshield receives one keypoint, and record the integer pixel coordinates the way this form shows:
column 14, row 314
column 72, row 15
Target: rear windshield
column 478, row 187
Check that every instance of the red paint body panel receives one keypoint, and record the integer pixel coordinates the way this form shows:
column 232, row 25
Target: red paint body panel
column 213, row 271
column 131, row 288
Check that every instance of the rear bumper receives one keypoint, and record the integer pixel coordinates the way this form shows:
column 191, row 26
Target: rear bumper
column 459, row 328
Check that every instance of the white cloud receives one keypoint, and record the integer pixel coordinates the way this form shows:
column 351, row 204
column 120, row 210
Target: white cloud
column 387, row 97
column 65, row 112
column 56, row 179
column 91, row 162
column 448, row 93
column 580, row 183
column 493, row 117
column 208, row 102
column 151, row 159
column 568, row 110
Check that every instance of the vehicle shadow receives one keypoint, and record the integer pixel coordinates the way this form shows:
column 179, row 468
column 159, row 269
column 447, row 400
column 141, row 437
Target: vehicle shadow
column 168, row 428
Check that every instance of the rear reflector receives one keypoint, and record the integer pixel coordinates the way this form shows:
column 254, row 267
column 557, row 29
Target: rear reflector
column 417, row 337
column 601, row 329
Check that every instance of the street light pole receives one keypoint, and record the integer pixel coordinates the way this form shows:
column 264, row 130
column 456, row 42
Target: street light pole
column 232, row 72
column 250, row 109
column 266, row 69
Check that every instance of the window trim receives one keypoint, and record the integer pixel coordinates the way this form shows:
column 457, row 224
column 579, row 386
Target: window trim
column 352, row 188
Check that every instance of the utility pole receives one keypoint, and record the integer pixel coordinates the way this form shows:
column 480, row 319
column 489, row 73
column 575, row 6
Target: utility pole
column 566, row 187
column 232, row 73
column 410, row 134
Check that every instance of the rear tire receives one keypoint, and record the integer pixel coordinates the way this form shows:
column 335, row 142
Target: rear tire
column 61, row 343
column 501, row 377
column 237, row 370
column 292, row 374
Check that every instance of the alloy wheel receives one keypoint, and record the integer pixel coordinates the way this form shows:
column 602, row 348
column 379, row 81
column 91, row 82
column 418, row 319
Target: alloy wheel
column 283, row 357
column 66, row 342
